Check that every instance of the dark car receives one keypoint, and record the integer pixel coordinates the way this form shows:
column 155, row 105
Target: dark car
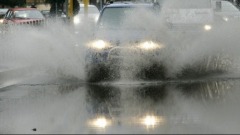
column 28, row 16
column 107, row 51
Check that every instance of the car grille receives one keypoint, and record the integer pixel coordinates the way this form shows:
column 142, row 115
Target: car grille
column 120, row 53
column 33, row 23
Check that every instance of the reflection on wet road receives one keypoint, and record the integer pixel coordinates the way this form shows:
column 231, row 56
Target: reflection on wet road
column 193, row 107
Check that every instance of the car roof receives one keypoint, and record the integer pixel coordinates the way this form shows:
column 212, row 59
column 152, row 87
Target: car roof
column 19, row 9
column 129, row 4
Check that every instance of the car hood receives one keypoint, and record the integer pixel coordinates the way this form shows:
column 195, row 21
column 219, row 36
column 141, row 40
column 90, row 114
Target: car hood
column 26, row 20
column 188, row 16
column 124, row 36
column 93, row 16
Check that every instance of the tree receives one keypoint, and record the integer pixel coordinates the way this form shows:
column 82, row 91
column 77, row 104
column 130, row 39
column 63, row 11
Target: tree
column 13, row 3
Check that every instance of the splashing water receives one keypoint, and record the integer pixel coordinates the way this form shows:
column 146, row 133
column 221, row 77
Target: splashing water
column 57, row 50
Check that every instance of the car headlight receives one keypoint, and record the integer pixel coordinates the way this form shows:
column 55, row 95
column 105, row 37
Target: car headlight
column 150, row 45
column 1, row 20
column 150, row 121
column 76, row 20
column 99, row 44
column 207, row 27
column 226, row 19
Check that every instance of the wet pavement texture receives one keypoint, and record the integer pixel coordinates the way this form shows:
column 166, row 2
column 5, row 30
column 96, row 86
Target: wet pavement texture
column 197, row 106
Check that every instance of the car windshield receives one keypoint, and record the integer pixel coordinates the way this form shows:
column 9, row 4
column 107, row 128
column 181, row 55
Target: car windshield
column 91, row 10
column 113, row 17
column 33, row 14
column 2, row 11
column 186, row 4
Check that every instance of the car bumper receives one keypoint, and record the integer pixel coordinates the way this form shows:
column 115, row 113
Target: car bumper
column 122, row 57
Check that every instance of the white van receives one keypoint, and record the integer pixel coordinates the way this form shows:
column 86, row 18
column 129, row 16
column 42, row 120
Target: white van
column 188, row 15
column 226, row 10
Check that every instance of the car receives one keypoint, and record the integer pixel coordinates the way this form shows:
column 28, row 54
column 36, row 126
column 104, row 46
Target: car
column 92, row 15
column 225, row 10
column 106, row 52
column 24, row 16
column 2, row 14
column 188, row 15
column 195, row 15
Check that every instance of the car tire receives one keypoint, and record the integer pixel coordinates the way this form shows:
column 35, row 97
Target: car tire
column 100, row 72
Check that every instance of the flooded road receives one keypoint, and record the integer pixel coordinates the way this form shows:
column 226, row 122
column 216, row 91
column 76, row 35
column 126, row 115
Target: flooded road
column 196, row 106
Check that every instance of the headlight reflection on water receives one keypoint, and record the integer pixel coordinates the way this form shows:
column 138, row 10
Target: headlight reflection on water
column 100, row 122
column 207, row 27
column 148, row 121
column 151, row 121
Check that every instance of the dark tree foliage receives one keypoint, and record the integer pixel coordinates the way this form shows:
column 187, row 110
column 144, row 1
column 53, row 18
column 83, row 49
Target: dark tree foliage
column 57, row 6
column 13, row 3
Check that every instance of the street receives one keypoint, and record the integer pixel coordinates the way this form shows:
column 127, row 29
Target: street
column 71, row 106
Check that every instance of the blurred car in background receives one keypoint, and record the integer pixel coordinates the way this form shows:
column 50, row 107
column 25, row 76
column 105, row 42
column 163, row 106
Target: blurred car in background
column 24, row 16
column 225, row 10
column 2, row 14
column 58, row 16
column 92, row 15
column 188, row 15
column 198, row 15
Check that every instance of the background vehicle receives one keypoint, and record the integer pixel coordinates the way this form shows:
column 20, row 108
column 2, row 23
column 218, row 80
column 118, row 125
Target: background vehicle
column 108, row 53
column 29, row 16
column 225, row 10
column 188, row 15
column 93, row 14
